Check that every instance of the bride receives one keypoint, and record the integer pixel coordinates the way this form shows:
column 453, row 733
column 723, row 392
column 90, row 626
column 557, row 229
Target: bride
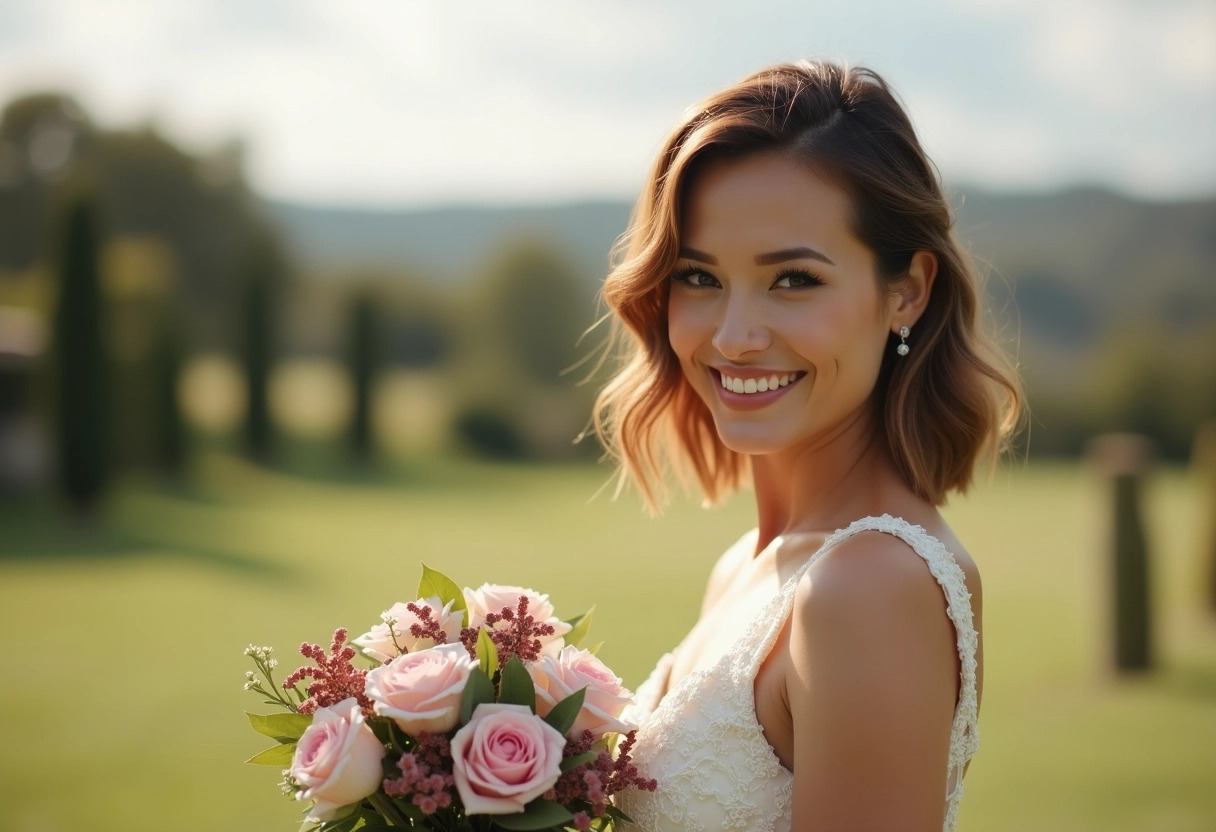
column 798, row 314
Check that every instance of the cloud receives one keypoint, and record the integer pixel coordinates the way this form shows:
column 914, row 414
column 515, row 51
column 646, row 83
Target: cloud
column 1123, row 55
column 409, row 102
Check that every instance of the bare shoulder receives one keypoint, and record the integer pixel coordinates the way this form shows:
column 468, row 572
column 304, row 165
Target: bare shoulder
column 869, row 574
column 875, row 571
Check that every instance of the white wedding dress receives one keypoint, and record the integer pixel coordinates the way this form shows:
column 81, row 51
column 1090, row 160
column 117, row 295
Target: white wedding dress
column 703, row 744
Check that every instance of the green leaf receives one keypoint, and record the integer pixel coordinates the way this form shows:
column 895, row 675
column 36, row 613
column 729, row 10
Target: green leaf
column 282, row 727
column 343, row 824
column 616, row 814
column 565, row 712
column 487, row 653
column 436, row 583
column 479, row 690
column 577, row 760
column 579, row 627
column 539, row 814
column 596, row 649
column 382, row 728
column 279, row 755
column 515, row 687
column 410, row 811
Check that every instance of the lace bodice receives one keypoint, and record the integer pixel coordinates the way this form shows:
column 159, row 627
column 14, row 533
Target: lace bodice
column 702, row 741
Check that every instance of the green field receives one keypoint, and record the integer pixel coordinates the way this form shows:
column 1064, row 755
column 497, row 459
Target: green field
column 121, row 699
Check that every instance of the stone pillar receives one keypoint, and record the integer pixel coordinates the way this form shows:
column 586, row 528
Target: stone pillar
column 1203, row 461
column 1125, row 460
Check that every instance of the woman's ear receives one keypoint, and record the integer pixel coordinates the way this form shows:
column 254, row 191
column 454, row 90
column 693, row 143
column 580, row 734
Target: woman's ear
column 911, row 294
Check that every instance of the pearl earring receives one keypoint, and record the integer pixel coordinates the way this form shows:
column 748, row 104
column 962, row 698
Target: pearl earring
column 903, row 348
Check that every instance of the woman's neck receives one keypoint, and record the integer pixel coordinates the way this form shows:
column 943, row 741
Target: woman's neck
column 824, row 484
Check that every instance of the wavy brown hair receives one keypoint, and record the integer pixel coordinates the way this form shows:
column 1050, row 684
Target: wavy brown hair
column 952, row 401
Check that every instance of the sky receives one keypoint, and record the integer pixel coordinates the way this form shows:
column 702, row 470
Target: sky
column 409, row 103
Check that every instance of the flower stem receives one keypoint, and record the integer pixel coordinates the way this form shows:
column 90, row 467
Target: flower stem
column 386, row 808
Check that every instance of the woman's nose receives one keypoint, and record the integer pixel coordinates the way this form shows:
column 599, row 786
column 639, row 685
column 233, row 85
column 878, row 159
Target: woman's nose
column 741, row 329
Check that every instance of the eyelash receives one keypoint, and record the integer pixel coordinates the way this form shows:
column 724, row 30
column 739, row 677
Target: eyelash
column 683, row 276
column 812, row 279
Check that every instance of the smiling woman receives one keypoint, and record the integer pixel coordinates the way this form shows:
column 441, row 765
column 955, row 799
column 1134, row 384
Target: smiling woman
column 796, row 312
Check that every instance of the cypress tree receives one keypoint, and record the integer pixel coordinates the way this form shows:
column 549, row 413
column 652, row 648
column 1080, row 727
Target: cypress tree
column 169, row 357
column 82, row 377
column 364, row 358
column 261, row 274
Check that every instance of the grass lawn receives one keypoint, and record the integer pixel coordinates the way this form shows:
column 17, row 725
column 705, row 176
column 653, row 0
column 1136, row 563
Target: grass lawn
column 121, row 699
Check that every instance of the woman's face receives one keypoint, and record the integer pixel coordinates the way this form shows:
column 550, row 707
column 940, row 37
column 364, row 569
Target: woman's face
column 776, row 311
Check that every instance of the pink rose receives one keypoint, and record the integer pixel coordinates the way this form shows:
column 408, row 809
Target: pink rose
column 555, row 679
column 505, row 757
column 491, row 598
column 379, row 642
column 337, row 760
column 421, row 691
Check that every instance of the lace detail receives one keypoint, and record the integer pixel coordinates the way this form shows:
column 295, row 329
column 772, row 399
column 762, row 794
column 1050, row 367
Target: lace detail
column 702, row 741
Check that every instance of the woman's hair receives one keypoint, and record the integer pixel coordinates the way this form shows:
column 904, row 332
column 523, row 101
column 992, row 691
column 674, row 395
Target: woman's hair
column 951, row 401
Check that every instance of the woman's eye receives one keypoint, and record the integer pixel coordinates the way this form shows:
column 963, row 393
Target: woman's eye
column 696, row 277
column 796, row 280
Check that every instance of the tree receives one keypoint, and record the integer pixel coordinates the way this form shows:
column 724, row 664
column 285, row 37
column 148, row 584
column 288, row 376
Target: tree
column 263, row 275
column 539, row 308
column 42, row 137
column 364, row 360
column 83, row 418
column 169, row 355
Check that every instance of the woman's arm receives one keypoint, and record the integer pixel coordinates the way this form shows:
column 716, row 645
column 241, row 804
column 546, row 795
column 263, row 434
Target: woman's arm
column 872, row 684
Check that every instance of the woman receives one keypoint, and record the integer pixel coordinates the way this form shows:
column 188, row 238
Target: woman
column 799, row 315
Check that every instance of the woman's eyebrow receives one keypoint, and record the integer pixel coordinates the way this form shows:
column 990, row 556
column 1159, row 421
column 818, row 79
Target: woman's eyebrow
column 700, row 256
column 798, row 253
column 769, row 259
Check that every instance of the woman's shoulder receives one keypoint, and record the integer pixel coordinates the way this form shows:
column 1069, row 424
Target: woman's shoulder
column 884, row 560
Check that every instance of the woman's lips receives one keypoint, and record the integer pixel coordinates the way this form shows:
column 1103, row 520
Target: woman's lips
column 755, row 390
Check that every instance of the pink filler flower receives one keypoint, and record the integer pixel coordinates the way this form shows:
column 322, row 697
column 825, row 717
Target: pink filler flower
column 415, row 627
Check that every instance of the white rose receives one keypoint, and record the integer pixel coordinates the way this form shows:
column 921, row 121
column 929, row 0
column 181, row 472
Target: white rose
column 379, row 643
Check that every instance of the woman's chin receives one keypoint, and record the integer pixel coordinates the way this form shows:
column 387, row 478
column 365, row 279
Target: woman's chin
column 752, row 440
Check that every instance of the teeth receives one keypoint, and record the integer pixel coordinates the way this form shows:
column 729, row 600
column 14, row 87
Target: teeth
column 756, row 385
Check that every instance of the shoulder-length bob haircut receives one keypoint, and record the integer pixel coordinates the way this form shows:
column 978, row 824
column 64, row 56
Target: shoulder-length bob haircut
column 951, row 401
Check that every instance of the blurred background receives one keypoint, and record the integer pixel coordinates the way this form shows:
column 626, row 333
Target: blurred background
column 296, row 295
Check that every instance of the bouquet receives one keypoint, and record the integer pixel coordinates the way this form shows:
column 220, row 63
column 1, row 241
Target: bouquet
column 479, row 713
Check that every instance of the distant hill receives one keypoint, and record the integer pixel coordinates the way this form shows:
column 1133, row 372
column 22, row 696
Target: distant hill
column 1075, row 262
column 448, row 243
column 1109, row 302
